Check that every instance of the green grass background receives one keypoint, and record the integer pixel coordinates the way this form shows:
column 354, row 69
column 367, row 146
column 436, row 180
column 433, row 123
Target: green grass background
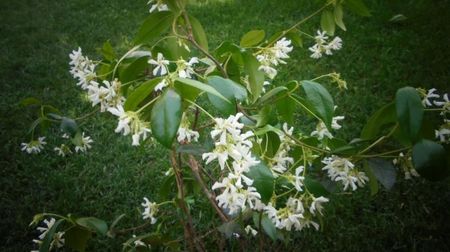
column 377, row 58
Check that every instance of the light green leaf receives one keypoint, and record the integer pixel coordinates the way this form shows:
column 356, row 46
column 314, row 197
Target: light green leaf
column 430, row 159
column 410, row 111
column 338, row 17
column 166, row 117
column 154, row 26
column 262, row 180
column 255, row 77
column 252, row 38
column 93, row 224
column 320, row 101
column 327, row 22
column 108, row 52
column 203, row 87
column 140, row 93
column 199, row 33
column 30, row 101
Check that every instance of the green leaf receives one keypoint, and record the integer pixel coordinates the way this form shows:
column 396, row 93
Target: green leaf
column 338, row 17
column 430, row 160
column 140, row 93
column 93, row 224
column 30, row 101
column 373, row 183
column 154, row 26
column 270, row 143
column 267, row 225
column 47, row 241
column 199, row 33
column 273, row 94
column 166, row 117
column 410, row 111
column 384, row 171
column 381, row 118
column 76, row 238
column 315, row 187
column 358, row 7
column 167, row 186
column 327, row 22
column 255, row 77
column 262, row 180
column 69, row 125
column 265, row 116
column 230, row 90
column 202, row 86
column 320, row 100
column 252, row 38
column 132, row 71
column 108, row 52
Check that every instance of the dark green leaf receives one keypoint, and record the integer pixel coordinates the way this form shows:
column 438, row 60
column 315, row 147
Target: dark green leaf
column 76, row 238
column 229, row 228
column 199, row 33
column 140, row 93
column 273, row 94
column 202, row 86
column 358, row 7
column 230, row 90
column 381, row 118
column 327, row 22
column 154, row 26
column 384, row 171
column 133, row 70
column 93, row 224
column 166, row 117
column 320, row 100
column 431, row 160
column 410, row 111
column 315, row 187
column 373, row 183
column 255, row 77
column 69, row 126
column 267, row 225
column 167, row 185
column 262, row 180
column 252, row 38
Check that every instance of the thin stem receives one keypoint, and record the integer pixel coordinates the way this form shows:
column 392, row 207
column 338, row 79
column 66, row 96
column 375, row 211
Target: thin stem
column 202, row 109
column 87, row 115
column 379, row 140
column 146, row 105
column 123, row 57
column 304, row 107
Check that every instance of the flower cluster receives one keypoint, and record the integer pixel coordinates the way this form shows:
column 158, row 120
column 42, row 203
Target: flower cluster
column 322, row 131
column 281, row 161
column 341, row 169
column 322, row 46
column 106, row 94
column 430, row 99
column 130, row 122
column 82, row 68
column 58, row 240
column 82, row 144
column 35, row 146
column 273, row 56
column 233, row 145
column 294, row 215
column 150, row 210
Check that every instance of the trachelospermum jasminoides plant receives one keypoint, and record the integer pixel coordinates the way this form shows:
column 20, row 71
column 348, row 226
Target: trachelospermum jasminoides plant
column 227, row 123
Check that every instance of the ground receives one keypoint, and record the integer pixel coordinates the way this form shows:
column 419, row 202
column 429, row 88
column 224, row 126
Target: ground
column 377, row 58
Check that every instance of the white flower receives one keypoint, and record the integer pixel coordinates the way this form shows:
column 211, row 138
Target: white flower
column 298, row 179
column 321, row 45
column 150, row 210
column 129, row 122
column 428, row 96
column 316, row 51
column 62, row 150
column 249, row 229
column 44, row 230
column 161, row 65
column 316, row 205
column 268, row 70
column 186, row 135
column 321, row 36
column 443, row 134
column 322, row 131
column 158, row 5
column 335, row 124
column 185, row 69
column 35, row 146
column 336, row 43
column 273, row 56
column 342, row 170
column 82, row 68
column 107, row 94
column 139, row 243
column 85, row 144
column 162, row 84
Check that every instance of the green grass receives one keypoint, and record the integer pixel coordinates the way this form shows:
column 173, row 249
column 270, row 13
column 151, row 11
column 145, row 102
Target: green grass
column 378, row 57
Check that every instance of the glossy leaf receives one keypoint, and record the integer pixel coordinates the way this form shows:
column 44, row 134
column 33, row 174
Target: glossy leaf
column 410, row 111
column 203, row 87
column 252, row 38
column 139, row 94
column 133, row 70
column 384, row 171
column 327, row 22
column 273, row 95
column 94, row 224
column 381, row 118
column 230, row 90
column 262, row 180
column 76, row 238
column 154, row 26
column 255, row 77
column 199, row 33
column 430, row 160
column 166, row 117
column 320, row 101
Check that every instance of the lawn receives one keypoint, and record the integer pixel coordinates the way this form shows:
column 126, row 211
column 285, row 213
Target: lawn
column 112, row 178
